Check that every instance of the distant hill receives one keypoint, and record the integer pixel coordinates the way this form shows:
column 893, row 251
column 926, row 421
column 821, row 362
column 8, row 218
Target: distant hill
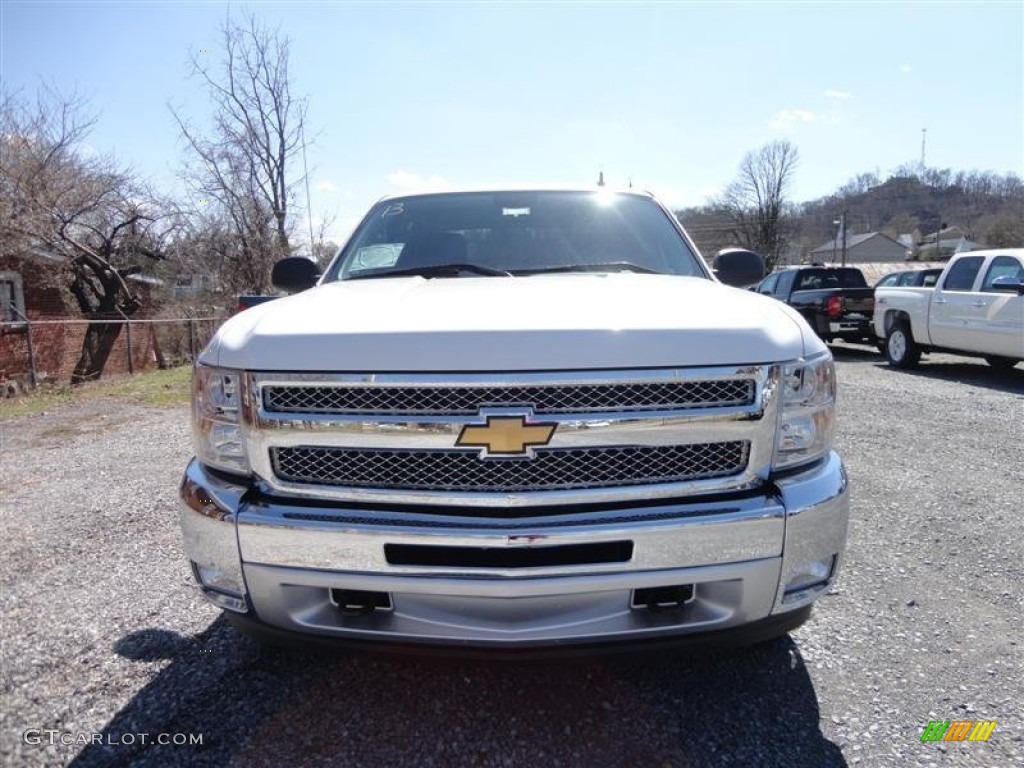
column 988, row 206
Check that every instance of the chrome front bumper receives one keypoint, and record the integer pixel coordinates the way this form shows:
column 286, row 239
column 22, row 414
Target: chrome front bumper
column 746, row 558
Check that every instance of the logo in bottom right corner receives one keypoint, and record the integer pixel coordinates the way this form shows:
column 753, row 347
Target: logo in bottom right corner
column 958, row 730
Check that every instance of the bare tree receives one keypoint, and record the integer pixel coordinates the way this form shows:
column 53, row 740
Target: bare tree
column 85, row 212
column 1004, row 230
column 241, row 170
column 238, row 258
column 323, row 248
column 756, row 204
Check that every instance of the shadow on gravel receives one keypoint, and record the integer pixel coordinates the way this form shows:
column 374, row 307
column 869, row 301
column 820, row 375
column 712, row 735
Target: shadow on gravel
column 963, row 370
column 151, row 645
column 267, row 707
column 976, row 374
column 855, row 354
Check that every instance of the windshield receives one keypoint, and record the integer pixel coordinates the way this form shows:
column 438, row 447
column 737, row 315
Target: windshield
column 519, row 233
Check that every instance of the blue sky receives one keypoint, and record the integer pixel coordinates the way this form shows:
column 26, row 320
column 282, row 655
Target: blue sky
column 409, row 95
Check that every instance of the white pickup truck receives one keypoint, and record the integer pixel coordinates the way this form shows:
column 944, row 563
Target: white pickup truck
column 516, row 420
column 976, row 308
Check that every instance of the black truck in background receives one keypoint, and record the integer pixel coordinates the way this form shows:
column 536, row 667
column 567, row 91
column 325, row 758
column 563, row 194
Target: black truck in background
column 836, row 301
column 247, row 300
column 306, row 267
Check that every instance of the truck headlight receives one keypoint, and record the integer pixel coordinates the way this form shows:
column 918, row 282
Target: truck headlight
column 807, row 411
column 216, row 421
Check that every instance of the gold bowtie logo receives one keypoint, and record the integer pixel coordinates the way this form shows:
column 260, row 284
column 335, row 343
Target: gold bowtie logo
column 506, row 436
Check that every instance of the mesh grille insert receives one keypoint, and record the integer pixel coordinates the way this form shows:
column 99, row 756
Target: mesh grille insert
column 550, row 469
column 459, row 400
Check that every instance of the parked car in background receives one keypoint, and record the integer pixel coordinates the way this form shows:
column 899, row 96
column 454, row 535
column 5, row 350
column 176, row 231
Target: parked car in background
column 920, row 278
column 835, row 301
column 977, row 308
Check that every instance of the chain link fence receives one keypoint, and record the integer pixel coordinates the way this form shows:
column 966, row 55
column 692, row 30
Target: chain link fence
column 33, row 352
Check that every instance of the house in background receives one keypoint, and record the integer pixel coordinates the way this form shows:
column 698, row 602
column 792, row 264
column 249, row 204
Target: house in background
column 909, row 240
column 29, row 287
column 189, row 284
column 866, row 248
column 26, row 289
column 941, row 245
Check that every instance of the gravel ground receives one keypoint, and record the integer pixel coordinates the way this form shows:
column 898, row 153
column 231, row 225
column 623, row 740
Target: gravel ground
column 103, row 634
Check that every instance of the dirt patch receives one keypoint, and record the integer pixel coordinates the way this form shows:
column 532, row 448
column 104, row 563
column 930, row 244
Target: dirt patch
column 73, row 427
column 50, row 427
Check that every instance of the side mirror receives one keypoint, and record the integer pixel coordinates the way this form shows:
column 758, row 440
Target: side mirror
column 738, row 267
column 1008, row 284
column 294, row 274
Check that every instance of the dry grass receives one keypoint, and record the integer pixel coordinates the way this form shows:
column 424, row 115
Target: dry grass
column 169, row 387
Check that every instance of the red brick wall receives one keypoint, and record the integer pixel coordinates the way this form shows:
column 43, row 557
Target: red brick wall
column 57, row 345
column 42, row 297
column 57, row 348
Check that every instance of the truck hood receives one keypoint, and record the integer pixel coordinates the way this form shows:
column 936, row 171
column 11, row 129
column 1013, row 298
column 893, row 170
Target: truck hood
column 538, row 322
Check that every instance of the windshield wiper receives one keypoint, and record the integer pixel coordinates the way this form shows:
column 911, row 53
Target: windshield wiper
column 432, row 270
column 609, row 266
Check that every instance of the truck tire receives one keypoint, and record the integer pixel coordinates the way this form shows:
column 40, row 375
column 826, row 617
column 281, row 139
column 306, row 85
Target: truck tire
column 901, row 351
column 1001, row 363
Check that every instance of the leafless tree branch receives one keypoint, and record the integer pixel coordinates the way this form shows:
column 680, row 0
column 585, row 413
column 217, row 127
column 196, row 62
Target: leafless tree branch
column 756, row 204
column 58, row 196
column 244, row 162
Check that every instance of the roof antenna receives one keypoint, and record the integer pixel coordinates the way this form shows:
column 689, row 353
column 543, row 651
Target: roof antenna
column 600, row 178
column 630, row 182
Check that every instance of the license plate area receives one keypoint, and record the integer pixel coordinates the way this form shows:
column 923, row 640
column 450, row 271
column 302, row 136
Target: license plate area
column 509, row 557
column 660, row 599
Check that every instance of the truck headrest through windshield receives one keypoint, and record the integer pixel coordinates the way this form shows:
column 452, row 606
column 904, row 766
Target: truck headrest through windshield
column 432, row 249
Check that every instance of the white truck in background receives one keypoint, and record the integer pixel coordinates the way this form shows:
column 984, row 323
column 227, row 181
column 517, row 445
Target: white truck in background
column 976, row 308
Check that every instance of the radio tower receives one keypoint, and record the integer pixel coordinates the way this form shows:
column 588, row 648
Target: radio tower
column 924, row 135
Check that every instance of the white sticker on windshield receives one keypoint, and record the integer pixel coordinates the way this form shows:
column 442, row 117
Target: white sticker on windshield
column 515, row 211
column 376, row 256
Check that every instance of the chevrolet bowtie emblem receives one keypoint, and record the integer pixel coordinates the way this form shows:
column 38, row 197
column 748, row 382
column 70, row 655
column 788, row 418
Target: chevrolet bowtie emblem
column 506, row 436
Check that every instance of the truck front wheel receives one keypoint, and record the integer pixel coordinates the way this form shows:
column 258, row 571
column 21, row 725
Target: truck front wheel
column 900, row 348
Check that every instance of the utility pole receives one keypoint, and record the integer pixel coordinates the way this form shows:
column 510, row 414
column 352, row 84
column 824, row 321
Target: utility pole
column 835, row 239
column 309, row 204
column 924, row 135
column 843, row 219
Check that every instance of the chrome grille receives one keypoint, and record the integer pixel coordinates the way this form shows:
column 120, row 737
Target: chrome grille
column 623, row 434
column 551, row 469
column 461, row 400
